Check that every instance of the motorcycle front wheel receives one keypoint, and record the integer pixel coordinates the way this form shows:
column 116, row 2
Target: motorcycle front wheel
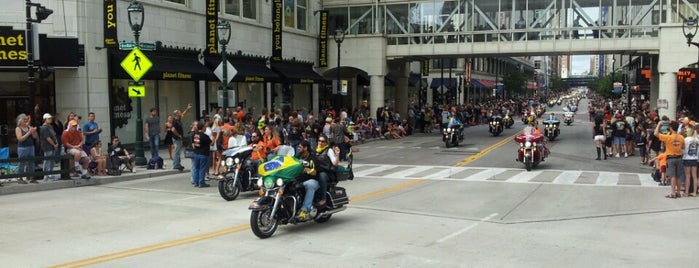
column 262, row 223
column 229, row 190
column 528, row 163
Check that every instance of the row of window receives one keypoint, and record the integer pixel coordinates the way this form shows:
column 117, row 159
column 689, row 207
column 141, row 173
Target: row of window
column 295, row 12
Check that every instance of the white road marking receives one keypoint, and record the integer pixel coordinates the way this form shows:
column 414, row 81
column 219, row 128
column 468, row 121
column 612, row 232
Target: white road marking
column 466, row 229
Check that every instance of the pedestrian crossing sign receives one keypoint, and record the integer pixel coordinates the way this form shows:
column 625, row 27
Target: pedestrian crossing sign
column 136, row 64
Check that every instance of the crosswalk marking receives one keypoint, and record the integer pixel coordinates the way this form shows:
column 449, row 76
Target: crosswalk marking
column 511, row 175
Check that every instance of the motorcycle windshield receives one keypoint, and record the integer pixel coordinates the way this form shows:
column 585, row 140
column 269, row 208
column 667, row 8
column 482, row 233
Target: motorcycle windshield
column 282, row 166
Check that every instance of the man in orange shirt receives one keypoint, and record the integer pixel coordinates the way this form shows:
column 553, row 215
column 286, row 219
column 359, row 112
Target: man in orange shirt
column 73, row 142
column 674, row 143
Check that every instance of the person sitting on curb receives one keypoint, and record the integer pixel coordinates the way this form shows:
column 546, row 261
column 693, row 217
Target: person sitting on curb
column 125, row 158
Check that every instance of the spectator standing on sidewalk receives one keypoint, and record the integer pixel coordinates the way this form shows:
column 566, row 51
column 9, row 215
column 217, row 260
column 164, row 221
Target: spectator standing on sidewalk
column 26, row 134
column 49, row 143
column 690, row 155
column 621, row 131
column 91, row 130
column 200, row 160
column 58, row 128
column 674, row 143
column 177, row 136
column 152, row 130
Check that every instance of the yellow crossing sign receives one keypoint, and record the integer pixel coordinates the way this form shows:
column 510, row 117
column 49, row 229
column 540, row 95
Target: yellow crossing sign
column 137, row 91
column 136, row 64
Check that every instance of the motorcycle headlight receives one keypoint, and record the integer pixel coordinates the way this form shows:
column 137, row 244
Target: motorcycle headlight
column 533, row 143
column 528, row 144
column 236, row 160
column 229, row 161
column 259, row 183
column 269, row 182
column 280, row 182
column 445, row 130
column 521, row 144
column 449, row 130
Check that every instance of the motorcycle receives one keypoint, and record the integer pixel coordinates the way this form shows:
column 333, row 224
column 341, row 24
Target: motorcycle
column 495, row 125
column 453, row 135
column 568, row 118
column 525, row 117
column 551, row 103
column 531, row 149
column 539, row 112
column 281, row 197
column 238, row 175
column 551, row 129
column 508, row 121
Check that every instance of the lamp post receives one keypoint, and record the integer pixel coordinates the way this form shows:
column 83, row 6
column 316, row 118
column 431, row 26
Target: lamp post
column 223, row 29
column 136, row 17
column 339, row 37
column 41, row 14
column 689, row 29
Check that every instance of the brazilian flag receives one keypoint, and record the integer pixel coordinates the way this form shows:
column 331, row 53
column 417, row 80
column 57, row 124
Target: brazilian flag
column 281, row 166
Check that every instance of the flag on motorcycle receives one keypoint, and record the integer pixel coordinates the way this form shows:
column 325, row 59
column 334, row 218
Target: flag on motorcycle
column 281, row 166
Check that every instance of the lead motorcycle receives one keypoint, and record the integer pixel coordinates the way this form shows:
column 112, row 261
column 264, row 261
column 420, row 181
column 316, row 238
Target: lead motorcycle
column 239, row 173
column 281, row 197
column 551, row 129
column 531, row 150
column 495, row 125
column 453, row 135
column 568, row 118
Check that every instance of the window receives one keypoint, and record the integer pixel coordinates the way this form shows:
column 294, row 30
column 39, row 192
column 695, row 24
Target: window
column 184, row 2
column 242, row 8
column 295, row 13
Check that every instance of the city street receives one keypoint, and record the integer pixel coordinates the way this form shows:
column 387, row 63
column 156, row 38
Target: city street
column 413, row 203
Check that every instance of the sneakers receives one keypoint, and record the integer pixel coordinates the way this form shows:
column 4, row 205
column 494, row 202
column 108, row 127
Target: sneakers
column 133, row 170
column 204, row 185
column 616, row 155
column 303, row 215
column 85, row 177
column 626, row 154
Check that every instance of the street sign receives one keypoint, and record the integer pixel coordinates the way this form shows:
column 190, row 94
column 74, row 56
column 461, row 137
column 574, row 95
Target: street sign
column 137, row 90
column 127, row 45
column 231, row 72
column 136, row 64
column 132, row 45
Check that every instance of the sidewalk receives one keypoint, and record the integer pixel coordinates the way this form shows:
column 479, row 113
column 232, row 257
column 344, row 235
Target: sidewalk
column 12, row 187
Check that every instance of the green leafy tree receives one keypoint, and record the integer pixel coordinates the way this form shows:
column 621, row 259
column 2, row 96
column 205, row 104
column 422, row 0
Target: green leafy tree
column 558, row 85
column 514, row 81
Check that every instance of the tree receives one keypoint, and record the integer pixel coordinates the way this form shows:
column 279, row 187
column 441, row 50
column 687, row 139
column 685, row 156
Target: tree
column 514, row 81
column 559, row 84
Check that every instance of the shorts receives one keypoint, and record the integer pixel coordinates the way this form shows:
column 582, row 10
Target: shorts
column 73, row 151
column 690, row 163
column 642, row 151
column 619, row 140
column 674, row 167
column 663, row 169
column 608, row 142
column 599, row 138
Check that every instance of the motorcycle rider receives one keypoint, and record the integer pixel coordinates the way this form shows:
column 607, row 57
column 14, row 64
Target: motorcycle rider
column 259, row 151
column 327, row 161
column 308, row 178
column 536, row 131
column 553, row 117
column 456, row 121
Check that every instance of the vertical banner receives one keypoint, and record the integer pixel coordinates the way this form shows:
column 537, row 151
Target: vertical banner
column 277, row 30
column 468, row 73
column 323, row 40
column 210, row 32
column 110, row 23
column 425, row 68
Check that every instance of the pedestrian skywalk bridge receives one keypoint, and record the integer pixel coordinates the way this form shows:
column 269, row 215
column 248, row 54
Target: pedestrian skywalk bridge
column 513, row 175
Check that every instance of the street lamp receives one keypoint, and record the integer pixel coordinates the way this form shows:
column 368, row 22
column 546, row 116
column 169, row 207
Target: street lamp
column 339, row 37
column 136, row 17
column 41, row 14
column 689, row 29
column 223, row 29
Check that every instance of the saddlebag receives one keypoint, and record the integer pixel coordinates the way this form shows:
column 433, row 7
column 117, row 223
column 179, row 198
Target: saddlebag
column 339, row 196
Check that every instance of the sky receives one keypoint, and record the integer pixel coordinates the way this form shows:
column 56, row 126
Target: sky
column 580, row 64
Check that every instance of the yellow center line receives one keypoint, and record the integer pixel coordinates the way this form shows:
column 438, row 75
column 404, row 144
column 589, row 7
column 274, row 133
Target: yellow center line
column 482, row 153
column 214, row 234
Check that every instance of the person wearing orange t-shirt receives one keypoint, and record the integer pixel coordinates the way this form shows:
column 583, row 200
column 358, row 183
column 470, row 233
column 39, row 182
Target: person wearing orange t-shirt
column 674, row 143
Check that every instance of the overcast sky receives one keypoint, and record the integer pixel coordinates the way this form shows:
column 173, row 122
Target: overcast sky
column 580, row 64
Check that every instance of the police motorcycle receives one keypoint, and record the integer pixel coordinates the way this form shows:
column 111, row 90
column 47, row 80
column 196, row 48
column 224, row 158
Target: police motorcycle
column 531, row 150
column 551, row 128
column 508, row 121
column 568, row 118
column 239, row 170
column 281, row 196
column 495, row 125
column 453, row 133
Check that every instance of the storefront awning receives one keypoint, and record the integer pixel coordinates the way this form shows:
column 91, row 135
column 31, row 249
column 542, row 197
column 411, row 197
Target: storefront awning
column 167, row 68
column 486, row 83
column 476, row 84
column 251, row 72
column 449, row 83
column 298, row 74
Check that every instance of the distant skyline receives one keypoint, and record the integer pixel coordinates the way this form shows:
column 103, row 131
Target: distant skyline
column 580, row 64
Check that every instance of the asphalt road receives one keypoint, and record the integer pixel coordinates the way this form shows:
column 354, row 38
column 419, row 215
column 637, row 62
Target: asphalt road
column 410, row 207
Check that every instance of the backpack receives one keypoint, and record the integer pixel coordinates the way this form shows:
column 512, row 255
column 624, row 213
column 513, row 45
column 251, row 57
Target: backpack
column 155, row 163
column 113, row 164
